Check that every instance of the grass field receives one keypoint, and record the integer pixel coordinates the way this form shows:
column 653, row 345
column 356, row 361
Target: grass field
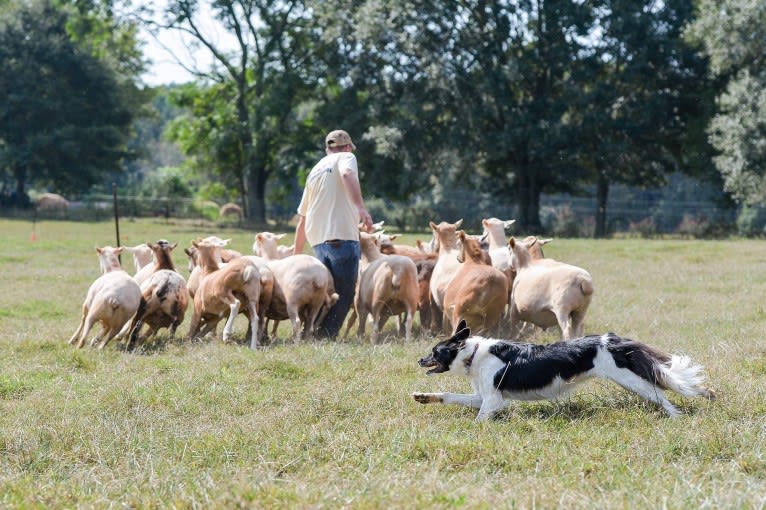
column 332, row 424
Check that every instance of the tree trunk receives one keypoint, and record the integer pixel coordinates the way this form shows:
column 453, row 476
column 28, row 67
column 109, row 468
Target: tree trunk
column 602, row 193
column 21, row 199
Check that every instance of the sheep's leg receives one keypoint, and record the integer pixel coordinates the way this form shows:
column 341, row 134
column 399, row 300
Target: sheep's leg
column 312, row 319
column 351, row 320
column 89, row 321
column 400, row 325
column 515, row 323
column 408, row 324
column 79, row 328
column 254, row 325
column 578, row 318
column 227, row 329
column 295, row 321
column 207, row 328
column 195, row 323
column 379, row 318
column 565, row 323
column 109, row 334
column 362, row 320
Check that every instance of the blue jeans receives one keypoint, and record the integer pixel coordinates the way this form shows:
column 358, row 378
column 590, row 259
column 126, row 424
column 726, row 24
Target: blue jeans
column 342, row 259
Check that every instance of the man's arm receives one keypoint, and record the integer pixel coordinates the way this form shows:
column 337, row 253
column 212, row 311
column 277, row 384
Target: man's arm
column 351, row 183
column 300, row 236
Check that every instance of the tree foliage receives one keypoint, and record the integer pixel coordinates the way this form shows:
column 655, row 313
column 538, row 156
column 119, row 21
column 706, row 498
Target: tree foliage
column 733, row 34
column 65, row 116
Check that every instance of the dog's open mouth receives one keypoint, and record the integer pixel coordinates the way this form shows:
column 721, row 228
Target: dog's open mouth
column 430, row 362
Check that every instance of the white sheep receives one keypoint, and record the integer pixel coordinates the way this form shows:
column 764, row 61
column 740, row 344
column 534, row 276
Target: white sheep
column 111, row 300
column 387, row 285
column 547, row 292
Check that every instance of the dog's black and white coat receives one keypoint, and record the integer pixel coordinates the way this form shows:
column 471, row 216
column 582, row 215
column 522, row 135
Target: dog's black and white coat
column 502, row 370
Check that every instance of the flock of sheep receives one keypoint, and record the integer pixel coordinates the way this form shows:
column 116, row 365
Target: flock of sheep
column 494, row 284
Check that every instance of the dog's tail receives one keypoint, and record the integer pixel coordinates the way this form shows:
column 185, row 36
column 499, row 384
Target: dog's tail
column 684, row 377
column 676, row 372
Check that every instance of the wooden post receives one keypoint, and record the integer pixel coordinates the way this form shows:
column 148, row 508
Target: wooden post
column 116, row 216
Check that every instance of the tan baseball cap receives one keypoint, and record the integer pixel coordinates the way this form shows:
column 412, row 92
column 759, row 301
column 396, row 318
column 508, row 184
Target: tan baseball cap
column 338, row 138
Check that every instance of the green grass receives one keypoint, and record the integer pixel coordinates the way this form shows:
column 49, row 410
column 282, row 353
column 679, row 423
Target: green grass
column 332, row 424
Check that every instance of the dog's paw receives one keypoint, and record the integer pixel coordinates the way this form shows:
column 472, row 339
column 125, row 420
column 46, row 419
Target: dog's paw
column 427, row 398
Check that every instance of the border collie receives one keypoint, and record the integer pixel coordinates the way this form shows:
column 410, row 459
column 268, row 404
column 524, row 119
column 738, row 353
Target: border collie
column 503, row 370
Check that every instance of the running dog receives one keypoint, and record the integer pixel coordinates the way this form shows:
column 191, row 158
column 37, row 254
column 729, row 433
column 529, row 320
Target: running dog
column 501, row 370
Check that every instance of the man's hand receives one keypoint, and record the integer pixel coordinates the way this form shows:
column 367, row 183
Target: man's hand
column 366, row 219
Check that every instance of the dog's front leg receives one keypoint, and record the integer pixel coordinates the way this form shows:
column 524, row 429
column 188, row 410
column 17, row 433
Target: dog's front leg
column 490, row 405
column 449, row 398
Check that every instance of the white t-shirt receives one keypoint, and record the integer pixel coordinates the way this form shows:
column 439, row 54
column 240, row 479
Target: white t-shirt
column 330, row 213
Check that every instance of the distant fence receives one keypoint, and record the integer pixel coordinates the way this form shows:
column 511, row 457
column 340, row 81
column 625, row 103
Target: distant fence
column 651, row 213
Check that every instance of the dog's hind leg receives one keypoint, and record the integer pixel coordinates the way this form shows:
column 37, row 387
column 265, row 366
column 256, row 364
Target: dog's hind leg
column 645, row 390
column 461, row 399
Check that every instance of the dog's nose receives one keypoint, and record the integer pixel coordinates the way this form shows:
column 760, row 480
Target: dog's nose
column 422, row 362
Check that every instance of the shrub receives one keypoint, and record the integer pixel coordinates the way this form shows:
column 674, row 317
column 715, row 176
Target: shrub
column 751, row 221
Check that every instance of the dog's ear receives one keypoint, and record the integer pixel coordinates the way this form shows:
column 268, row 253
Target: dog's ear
column 462, row 332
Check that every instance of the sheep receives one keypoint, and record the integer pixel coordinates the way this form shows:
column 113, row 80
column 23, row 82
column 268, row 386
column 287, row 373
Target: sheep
column 52, row 202
column 387, row 247
column 425, row 260
column 479, row 292
column 303, row 292
column 498, row 246
column 225, row 289
column 231, row 209
column 222, row 256
column 267, row 276
column 111, row 300
column 447, row 263
column 265, row 245
column 165, row 297
column 548, row 293
column 388, row 285
column 142, row 255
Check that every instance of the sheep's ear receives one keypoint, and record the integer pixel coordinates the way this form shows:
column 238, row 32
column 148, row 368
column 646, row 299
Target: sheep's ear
column 461, row 325
column 188, row 252
column 392, row 237
column 484, row 222
column 195, row 243
column 458, row 223
column 432, row 225
column 173, row 246
column 98, row 250
column 512, row 242
column 225, row 242
column 118, row 250
column 461, row 234
column 280, row 236
column 259, row 237
column 508, row 223
column 543, row 242
column 484, row 237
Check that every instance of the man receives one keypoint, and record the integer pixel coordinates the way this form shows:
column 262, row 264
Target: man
column 330, row 211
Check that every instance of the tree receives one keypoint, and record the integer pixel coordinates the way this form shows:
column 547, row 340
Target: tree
column 647, row 95
column 255, row 84
column 733, row 34
column 495, row 79
column 65, row 118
